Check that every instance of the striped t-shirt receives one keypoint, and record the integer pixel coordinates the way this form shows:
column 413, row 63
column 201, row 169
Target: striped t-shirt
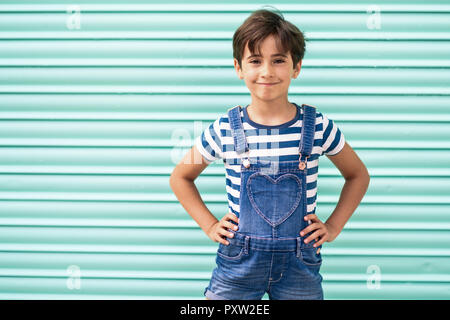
column 265, row 143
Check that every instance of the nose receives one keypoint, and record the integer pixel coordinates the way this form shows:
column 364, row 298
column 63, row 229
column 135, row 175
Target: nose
column 267, row 70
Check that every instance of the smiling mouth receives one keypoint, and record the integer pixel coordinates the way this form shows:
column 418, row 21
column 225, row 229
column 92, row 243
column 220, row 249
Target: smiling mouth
column 268, row 84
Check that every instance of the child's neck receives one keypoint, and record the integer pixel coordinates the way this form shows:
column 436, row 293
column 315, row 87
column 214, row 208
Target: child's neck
column 270, row 114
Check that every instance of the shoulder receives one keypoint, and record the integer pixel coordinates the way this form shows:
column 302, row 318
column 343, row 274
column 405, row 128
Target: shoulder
column 220, row 126
column 220, row 121
column 223, row 120
column 320, row 117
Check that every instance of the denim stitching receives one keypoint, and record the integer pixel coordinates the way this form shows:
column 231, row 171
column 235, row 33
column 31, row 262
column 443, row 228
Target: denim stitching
column 240, row 190
column 308, row 130
column 270, row 273
column 247, row 238
column 237, row 130
column 273, row 181
column 307, row 263
column 250, row 197
column 281, row 275
column 240, row 254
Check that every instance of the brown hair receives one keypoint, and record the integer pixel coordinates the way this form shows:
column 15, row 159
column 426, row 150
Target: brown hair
column 262, row 23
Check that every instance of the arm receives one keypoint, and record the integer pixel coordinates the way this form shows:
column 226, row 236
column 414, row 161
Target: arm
column 356, row 183
column 182, row 184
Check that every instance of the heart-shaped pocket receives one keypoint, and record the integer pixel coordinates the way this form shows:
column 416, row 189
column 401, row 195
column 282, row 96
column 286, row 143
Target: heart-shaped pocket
column 274, row 199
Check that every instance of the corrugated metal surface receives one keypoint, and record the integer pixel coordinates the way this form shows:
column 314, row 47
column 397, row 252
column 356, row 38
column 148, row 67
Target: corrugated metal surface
column 99, row 100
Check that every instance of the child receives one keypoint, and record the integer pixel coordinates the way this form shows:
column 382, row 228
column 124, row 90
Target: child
column 271, row 238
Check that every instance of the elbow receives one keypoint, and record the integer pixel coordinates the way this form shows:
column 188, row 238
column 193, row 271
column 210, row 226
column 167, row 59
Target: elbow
column 360, row 175
column 173, row 180
column 365, row 176
column 361, row 180
column 367, row 180
column 176, row 178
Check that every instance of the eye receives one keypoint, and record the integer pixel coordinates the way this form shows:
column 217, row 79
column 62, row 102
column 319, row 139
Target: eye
column 278, row 61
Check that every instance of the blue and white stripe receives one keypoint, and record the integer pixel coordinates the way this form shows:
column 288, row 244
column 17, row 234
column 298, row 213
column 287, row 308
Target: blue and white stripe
column 269, row 143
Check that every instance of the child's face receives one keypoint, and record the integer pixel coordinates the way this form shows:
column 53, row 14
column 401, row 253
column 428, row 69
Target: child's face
column 259, row 71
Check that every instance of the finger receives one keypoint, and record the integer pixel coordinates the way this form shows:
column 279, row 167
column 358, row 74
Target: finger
column 318, row 250
column 230, row 225
column 321, row 241
column 310, row 228
column 226, row 225
column 232, row 216
column 311, row 217
column 222, row 240
column 315, row 235
column 225, row 233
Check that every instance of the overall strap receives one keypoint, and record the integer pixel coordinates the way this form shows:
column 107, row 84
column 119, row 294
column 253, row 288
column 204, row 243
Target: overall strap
column 237, row 129
column 308, row 130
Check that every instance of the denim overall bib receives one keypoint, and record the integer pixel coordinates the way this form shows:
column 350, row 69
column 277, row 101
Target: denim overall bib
column 267, row 253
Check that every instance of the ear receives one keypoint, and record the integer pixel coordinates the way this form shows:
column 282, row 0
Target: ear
column 238, row 69
column 297, row 69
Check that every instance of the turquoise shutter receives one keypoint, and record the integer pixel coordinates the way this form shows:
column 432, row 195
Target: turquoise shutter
column 99, row 100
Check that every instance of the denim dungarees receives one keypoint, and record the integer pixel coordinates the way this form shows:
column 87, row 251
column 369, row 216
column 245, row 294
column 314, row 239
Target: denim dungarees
column 267, row 253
